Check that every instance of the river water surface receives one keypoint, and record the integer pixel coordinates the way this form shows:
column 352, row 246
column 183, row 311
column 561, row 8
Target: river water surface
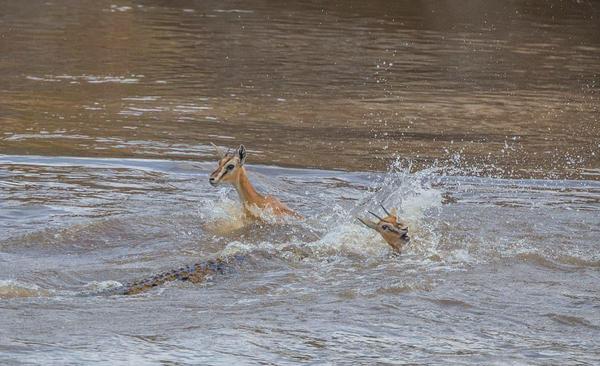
column 481, row 123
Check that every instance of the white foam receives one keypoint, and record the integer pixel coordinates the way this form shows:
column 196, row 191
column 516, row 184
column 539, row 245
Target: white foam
column 98, row 286
column 337, row 230
column 13, row 288
column 350, row 239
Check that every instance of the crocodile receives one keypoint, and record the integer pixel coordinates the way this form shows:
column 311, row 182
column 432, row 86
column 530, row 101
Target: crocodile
column 194, row 273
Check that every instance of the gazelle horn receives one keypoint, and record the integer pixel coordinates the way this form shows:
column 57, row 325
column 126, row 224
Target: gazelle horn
column 375, row 215
column 361, row 220
column 384, row 209
column 218, row 150
column 368, row 224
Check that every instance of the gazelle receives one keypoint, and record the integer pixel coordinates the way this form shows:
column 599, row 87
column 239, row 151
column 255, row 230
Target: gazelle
column 231, row 170
column 393, row 231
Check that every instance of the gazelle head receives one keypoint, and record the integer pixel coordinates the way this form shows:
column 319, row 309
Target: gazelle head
column 230, row 165
column 393, row 231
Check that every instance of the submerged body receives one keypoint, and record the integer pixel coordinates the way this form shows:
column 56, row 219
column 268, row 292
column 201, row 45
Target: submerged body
column 194, row 273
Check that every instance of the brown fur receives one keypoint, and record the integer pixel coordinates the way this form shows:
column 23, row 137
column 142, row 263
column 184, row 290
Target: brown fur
column 231, row 170
column 391, row 229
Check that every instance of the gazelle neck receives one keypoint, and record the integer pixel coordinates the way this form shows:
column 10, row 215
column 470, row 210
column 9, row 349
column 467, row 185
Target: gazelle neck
column 245, row 189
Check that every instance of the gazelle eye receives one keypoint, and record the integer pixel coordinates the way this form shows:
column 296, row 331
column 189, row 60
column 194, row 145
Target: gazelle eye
column 230, row 167
column 385, row 227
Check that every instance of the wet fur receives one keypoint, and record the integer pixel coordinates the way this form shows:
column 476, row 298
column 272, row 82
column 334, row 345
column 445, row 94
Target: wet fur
column 391, row 229
column 237, row 176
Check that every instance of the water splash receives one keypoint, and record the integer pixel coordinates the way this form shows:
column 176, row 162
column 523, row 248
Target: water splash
column 336, row 231
column 412, row 193
column 10, row 289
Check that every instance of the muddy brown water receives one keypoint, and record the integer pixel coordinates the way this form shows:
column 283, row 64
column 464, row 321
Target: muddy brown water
column 480, row 121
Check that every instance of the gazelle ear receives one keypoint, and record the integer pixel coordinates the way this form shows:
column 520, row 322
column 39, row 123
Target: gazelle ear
column 242, row 154
column 394, row 211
